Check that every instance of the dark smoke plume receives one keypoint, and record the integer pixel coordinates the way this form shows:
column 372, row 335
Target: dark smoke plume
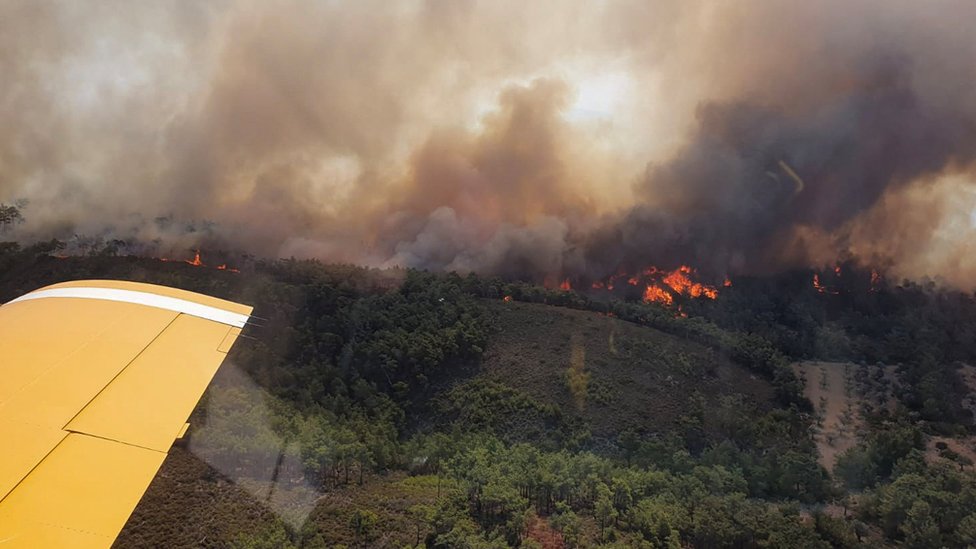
column 548, row 139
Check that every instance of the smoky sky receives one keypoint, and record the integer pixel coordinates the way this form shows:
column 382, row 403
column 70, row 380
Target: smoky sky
column 554, row 138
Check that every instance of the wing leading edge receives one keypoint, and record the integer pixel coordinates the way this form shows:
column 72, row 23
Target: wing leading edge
column 99, row 378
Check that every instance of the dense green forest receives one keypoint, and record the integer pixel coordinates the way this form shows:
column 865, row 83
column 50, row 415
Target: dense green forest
column 415, row 409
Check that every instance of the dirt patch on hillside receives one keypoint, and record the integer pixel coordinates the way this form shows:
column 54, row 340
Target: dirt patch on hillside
column 832, row 390
column 961, row 451
column 542, row 533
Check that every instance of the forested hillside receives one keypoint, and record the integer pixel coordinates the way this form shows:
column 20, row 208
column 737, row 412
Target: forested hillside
column 399, row 408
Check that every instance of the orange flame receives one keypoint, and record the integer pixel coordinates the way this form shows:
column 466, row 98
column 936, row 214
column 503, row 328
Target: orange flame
column 816, row 283
column 875, row 280
column 196, row 260
column 680, row 281
column 659, row 286
column 565, row 285
column 820, row 287
column 656, row 294
column 507, row 299
column 727, row 283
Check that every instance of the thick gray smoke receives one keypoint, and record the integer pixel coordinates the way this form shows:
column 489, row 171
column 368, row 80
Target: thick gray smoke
column 550, row 139
column 752, row 176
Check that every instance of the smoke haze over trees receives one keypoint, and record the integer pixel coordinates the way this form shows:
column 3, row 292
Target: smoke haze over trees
column 531, row 140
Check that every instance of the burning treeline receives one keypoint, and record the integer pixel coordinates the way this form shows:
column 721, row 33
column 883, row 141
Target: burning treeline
column 550, row 140
column 661, row 286
column 675, row 288
column 198, row 262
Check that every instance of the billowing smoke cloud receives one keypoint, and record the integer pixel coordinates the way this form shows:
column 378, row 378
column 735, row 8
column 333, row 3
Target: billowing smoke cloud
column 540, row 139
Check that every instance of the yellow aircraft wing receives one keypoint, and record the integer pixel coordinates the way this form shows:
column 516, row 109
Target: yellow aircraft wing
column 97, row 379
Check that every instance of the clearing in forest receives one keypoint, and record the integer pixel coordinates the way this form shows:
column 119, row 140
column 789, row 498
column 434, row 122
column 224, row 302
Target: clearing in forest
column 831, row 388
column 611, row 374
column 543, row 534
column 960, row 450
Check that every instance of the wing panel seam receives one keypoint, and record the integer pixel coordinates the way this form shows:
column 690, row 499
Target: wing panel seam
column 34, row 467
column 119, row 373
column 83, row 433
